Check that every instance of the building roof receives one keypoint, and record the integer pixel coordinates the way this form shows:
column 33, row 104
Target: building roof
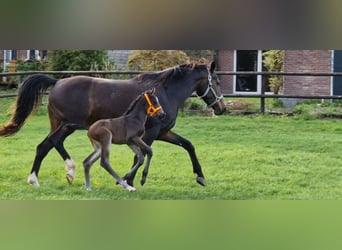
column 119, row 56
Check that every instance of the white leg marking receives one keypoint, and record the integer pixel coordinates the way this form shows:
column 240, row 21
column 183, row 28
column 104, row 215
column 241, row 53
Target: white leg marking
column 70, row 167
column 33, row 180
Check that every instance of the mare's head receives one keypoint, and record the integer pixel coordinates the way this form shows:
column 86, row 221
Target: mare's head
column 154, row 108
column 209, row 90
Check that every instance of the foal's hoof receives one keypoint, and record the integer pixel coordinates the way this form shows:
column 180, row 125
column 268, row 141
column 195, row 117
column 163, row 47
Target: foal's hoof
column 200, row 180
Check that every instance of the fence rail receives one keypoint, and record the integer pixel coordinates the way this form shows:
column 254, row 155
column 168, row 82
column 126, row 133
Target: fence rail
column 262, row 95
column 127, row 72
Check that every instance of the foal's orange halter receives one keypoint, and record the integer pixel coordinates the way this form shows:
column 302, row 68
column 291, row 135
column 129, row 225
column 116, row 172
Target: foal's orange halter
column 151, row 110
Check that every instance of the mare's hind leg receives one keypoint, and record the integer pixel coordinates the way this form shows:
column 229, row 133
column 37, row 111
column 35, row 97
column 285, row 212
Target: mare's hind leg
column 64, row 131
column 89, row 161
column 54, row 139
column 42, row 150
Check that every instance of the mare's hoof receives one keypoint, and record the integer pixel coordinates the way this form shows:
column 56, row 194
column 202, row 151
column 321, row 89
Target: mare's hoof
column 33, row 180
column 201, row 181
column 69, row 178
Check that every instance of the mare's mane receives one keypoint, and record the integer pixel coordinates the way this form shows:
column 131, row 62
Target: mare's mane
column 168, row 75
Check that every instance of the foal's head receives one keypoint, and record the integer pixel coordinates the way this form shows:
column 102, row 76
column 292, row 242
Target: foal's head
column 154, row 108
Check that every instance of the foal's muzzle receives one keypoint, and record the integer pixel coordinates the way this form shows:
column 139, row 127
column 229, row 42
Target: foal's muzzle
column 161, row 115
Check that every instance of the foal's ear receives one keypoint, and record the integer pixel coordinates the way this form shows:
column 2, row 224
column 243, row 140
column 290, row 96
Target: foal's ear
column 153, row 91
column 212, row 66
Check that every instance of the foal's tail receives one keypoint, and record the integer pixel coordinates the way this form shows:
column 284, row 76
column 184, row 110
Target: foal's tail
column 28, row 99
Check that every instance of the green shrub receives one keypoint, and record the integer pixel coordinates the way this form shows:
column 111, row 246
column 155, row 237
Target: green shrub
column 274, row 62
column 29, row 65
column 60, row 60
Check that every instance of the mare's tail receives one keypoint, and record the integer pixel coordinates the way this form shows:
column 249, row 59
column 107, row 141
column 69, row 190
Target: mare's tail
column 28, row 99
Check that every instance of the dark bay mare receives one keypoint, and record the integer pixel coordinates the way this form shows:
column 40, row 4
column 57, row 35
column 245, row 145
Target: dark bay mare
column 126, row 129
column 77, row 102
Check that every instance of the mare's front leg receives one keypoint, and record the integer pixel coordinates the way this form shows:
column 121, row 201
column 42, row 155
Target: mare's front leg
column 176, row 139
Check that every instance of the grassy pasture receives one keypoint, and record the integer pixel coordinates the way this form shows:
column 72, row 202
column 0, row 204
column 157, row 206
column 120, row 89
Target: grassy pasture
column 243, row 157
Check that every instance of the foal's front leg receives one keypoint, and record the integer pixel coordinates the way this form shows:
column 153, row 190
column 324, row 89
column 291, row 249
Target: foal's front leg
column 147, row 165
column 138, row 145
column 106, row 165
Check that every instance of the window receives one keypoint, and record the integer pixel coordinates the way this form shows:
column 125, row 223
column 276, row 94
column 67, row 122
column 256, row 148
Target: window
column 246, row 60
column 32, row 55
column 249, row 60
column 14, row 55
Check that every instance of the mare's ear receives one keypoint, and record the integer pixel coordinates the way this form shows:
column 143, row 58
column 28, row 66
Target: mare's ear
column 212, row 66
column 153, row 91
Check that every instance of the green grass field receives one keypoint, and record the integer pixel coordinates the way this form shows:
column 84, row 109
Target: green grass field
column 243, row 157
